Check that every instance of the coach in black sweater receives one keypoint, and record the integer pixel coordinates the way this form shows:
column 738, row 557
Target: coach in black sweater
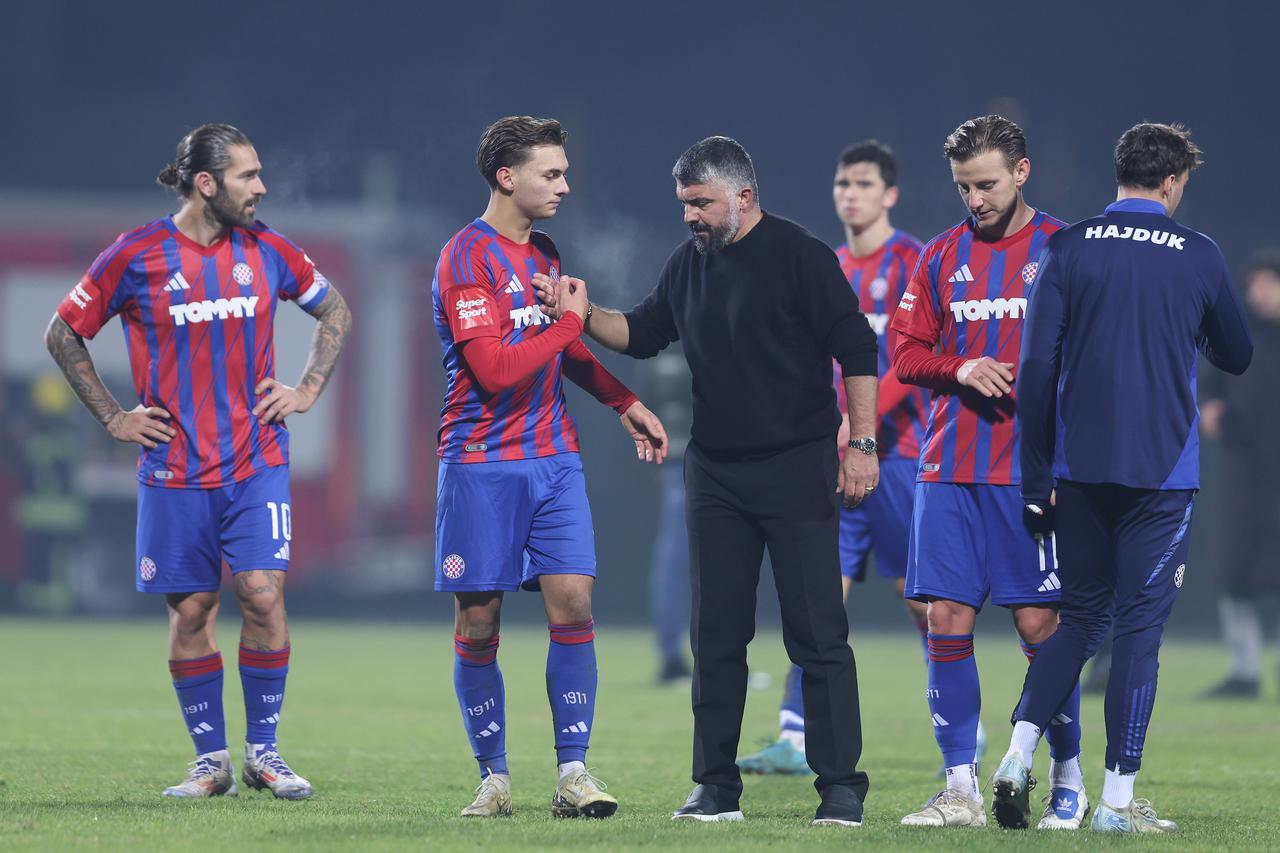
column 761, row 307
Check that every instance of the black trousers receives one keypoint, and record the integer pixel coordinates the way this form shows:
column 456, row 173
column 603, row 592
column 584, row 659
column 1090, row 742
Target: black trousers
column 735, row 509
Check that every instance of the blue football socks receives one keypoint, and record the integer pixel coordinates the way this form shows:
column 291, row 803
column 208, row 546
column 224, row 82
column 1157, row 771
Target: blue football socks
column 955, row 697
column 198, row 683
column 571, row 688
column 262, row 675
column 791, row 712
column 477, row 681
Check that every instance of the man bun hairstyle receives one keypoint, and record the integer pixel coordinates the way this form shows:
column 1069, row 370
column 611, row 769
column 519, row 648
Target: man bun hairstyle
column 872, row 151
column 509, row 143
column 202, row 150
column 717, row 160
column 987, row 133
column 1148, row 153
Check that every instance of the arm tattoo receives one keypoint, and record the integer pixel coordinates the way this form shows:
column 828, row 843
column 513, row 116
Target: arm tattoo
column 69, row 351
column 333, row 320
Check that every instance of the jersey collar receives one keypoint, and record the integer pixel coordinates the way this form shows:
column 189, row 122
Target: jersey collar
column 192, row 244
column 1136, row 205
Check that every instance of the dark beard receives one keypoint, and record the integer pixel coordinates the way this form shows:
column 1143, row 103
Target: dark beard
column 712, row 240
column 222, row 213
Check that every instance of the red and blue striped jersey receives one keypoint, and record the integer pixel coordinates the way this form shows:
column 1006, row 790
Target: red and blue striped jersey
column 879, row 280
column 967, row 299
column 483, row 287
column 198, row 329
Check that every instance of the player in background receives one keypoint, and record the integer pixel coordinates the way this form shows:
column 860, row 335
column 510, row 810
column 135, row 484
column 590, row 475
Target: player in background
column 197, row 294
column 512, row 508
column 1120, row 303
column 877, row 259
column 1241, row 417
column 957, row 331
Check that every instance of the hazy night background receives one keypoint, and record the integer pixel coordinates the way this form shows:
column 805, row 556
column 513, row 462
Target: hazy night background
column 366, row 118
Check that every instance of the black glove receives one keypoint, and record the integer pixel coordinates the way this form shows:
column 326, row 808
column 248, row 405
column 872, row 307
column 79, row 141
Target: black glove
column 1038, row 518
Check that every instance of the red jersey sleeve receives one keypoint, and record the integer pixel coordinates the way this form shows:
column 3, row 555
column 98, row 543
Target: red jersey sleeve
column 304, row 285
column 584, row 370
column 467, row 298
column 497, row 367
column 311, row 286
column 917, row 313
column 100, row 294
column 891, row 393
column 916, row 327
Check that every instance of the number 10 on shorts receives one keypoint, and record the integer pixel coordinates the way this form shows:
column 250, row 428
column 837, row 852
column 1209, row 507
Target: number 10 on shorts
column 281, row 520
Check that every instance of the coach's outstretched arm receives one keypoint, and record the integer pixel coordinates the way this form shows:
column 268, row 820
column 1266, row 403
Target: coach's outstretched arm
column 610, row 328
column 143, row 425
column 333, row 322
column 642, row 332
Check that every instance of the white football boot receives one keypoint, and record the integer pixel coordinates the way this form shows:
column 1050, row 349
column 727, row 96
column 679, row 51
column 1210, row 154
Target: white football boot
column 210, row 775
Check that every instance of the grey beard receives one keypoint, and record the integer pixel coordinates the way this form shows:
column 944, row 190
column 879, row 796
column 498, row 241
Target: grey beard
column 711, row 241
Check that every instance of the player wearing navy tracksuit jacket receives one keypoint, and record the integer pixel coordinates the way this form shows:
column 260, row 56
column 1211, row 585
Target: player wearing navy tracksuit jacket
column 1106, row 386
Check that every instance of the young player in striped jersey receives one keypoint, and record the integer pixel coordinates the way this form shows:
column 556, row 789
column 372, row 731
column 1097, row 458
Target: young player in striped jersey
column 877, row 259
column 511, row 509
column 197, row 295
column 958, row 329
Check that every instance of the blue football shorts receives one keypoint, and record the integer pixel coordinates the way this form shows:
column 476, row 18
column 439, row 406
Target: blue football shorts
column 971, row 540
column 881, row 523
column 501, row 525
column 184, row 534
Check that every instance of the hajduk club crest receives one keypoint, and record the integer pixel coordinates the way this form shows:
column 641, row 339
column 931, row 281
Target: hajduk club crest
column 453, row 567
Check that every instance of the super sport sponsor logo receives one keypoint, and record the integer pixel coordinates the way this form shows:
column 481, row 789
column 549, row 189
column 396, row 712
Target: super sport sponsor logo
column 470, row 309
column 80, row 297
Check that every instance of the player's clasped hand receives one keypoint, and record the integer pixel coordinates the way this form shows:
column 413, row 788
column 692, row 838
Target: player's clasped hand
column 571, row 295
column 858, row 477
column 143, row 425
column 988, row 377
column 547, row 295
column 278, row 401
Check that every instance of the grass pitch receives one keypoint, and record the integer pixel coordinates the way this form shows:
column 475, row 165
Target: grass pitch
column 90, row 733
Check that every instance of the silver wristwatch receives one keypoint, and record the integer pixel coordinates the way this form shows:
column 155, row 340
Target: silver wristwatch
column 866, row 445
